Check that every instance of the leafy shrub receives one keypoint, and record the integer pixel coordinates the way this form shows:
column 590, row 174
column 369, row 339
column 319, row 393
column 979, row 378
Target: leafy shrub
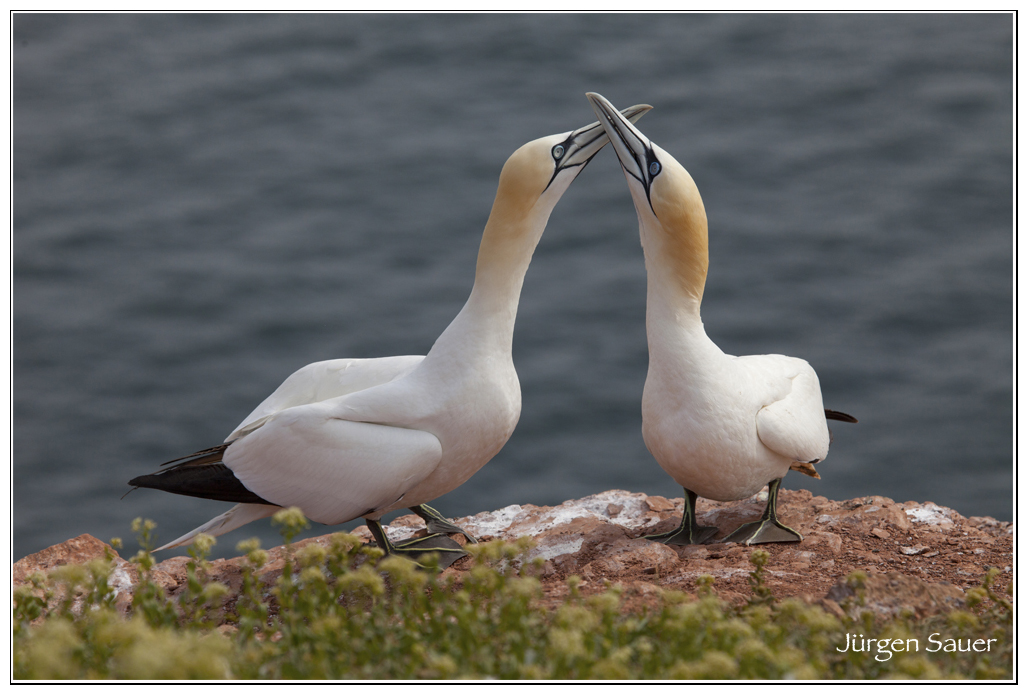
column 344, row 612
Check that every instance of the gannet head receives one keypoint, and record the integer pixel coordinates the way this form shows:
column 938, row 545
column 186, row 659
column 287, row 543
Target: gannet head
column 531, row 183
column 539, row 172
column 672, row 219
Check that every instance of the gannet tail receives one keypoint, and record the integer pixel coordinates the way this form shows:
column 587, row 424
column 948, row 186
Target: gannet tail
column 239, row 515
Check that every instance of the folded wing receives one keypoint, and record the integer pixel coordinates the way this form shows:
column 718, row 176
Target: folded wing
column 321, row 381
column 334, row 470
column 794, row 426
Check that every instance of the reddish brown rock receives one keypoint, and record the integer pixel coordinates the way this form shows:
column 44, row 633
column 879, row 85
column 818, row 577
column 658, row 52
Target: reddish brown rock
column 908, row 550
column 660, row 504
column 77, row 551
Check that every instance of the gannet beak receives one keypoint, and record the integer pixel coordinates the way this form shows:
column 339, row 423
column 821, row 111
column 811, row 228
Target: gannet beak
column 580, row 146
column 633, row 148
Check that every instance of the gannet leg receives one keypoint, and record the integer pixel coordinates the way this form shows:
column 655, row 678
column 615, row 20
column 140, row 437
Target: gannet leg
column 448, row 549
column 437, row 523
column 768, row 529
column 688, row 532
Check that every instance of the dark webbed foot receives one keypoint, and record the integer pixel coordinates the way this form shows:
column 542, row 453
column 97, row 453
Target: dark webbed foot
column 688, row 532
column 437, row 523
column 448, row 550
column 763, row 532
column 685, row 535
column 768, row 529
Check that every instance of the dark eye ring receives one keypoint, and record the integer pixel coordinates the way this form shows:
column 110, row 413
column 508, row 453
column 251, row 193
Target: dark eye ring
column 654, row 168
column 558, row 152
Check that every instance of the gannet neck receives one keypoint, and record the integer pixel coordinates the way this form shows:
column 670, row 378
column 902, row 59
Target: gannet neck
column 674, row 330
column 508, row 243
column 677, row 232
column 487, row 319
column 673, row 231
column 516, row 223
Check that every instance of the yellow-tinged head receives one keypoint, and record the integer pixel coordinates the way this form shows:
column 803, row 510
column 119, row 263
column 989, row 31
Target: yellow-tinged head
column 672, row 219
column 527, row 174
column 532, row 182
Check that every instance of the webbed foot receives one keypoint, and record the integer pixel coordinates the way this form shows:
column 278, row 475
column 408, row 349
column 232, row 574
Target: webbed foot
column 437, row 523
column 768, row 529
column 763, row 531
column 688, row 532
column 684, row 535
column 448, row 550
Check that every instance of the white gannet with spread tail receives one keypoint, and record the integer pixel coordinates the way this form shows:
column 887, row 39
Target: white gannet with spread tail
column 352, row 438
column 721, row 426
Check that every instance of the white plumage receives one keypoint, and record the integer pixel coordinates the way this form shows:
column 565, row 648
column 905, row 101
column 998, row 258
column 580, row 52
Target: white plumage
column 344, row 438
column 721, row 426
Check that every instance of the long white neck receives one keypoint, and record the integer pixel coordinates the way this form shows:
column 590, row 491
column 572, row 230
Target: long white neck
column 674, row 329
column 485, row 326
column 676, row 265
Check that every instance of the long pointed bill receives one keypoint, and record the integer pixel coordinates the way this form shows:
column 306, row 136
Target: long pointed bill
column 583, row 144
column 633, row 148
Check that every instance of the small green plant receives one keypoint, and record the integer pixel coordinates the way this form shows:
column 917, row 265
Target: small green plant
column 761, row 593
column 336, row 609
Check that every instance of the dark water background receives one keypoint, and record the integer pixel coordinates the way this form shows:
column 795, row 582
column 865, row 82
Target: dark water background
column 203, row 204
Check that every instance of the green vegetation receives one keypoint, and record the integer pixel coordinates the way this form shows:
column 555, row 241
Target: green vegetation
column 323, row 618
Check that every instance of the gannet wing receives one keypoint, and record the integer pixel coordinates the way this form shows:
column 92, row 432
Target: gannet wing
column 333, row 469
column 794, row 425
column 320, row 381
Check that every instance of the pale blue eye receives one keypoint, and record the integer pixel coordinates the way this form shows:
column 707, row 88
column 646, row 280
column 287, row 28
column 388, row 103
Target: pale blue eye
column 654, row 168
column 558, row 151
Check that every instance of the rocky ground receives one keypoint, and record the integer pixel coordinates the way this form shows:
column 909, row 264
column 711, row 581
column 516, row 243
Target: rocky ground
column 918, row 555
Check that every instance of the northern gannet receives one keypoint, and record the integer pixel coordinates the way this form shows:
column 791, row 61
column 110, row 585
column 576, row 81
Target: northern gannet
column 721, row 426
column 349, row 438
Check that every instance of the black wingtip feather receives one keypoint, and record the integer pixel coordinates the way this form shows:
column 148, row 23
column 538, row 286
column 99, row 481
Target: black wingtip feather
column 841, row 417
column 212, row 482
column 201, row 474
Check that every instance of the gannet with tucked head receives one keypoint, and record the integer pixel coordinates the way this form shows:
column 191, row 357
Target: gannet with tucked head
column 721, row 426
column 352, row 438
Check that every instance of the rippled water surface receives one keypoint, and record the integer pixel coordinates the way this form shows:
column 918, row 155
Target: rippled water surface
column 203, row 204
